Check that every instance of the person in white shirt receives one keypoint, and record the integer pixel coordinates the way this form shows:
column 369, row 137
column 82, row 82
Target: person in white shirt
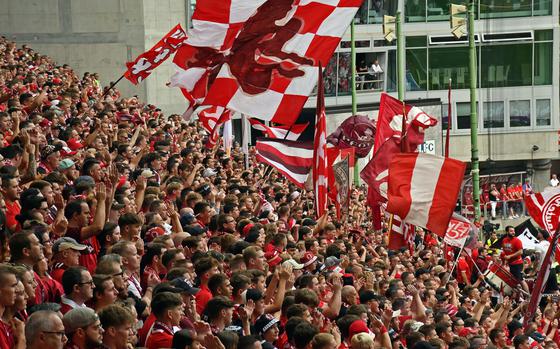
column 554, row 181
column 374, row 73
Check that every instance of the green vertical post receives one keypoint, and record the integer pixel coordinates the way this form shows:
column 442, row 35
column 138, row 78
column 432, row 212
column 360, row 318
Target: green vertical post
column 354, row 100
column 400, row 56
column 474, row 116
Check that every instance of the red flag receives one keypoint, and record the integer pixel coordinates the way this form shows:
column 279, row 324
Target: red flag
column 259, row 57
column 400, row 234
column 291, row 133
column 544, row 208
column 292, row 158
column 423, row 189
column 143, row 65
column 212, row 119
column 460, row 231
column 320, row 172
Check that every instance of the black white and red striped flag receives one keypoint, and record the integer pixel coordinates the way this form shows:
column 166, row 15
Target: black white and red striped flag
column 320, row 172
column 290, row 133
column 291, row 158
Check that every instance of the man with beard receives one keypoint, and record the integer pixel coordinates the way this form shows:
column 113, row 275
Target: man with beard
column 83, row 329
column 512, row 253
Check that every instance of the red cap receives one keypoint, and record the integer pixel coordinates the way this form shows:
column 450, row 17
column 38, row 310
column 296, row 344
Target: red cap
column 273, row 258
column 467, row 331
column 154, row 233
column 308, row 259
column 358, row 326
column 74, row 144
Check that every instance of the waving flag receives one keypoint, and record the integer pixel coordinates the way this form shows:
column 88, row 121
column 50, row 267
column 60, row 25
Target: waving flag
column 259, row 57
column 320, row 172
column 212, row 118
column 143, row 65
column 423, row 189
column 291, row 158
column 291, row 133
column 401, row 234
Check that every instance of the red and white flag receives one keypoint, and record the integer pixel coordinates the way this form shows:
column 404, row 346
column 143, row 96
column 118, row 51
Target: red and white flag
column 401, row 234
column 423, row 189
column 291, row 158
column 544, row 208
column 291, row 133
column 145, row 63
column 320, row 171
column 212, row 119
column 460, row 231
column 259, row 57
column 388, row 142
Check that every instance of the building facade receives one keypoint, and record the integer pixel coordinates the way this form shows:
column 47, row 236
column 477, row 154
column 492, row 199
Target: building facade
column 518, row 45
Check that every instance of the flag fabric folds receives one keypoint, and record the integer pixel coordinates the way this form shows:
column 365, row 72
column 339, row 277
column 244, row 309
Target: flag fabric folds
column 401, row 234
column 259, row 57
column 423, row 189
column 145, row 63
column 291, row 158
column 291, row 133
column 544, row 208
column 461, row 232
column 212, row 119
column 320, row 171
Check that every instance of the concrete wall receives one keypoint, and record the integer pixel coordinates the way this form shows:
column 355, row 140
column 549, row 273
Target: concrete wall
column 99, row 36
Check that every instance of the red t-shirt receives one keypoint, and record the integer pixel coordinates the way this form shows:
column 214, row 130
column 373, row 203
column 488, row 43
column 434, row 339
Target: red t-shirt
column 57, row 273
column 88, row 258
column 12, row 210
column 160, row 337
column 202, row 298
column 511, row 245
column 7, row 340
column 145, row 330
column 463, row 266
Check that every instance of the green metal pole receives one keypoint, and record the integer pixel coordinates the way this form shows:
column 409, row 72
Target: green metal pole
column 400, row 56
column 474, row 118
column 354, row 100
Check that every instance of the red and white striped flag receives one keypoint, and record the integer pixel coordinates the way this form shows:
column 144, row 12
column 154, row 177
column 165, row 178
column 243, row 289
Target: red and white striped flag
column 320, row 171
column 212, row 118
column 291, row 133
column 259, row 57
column 423, row 189
column 400, row 234
column 291, row 158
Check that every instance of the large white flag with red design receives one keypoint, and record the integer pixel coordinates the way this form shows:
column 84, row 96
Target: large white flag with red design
column 423, row 189
column 259, row 57
column 320, row 171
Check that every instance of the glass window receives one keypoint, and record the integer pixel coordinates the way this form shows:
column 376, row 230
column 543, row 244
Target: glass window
column 505, row 8
column 372, row 11
column 329, row 76
column 464, row 115
column 543, row 112
column 444, row 117
column 362, row 14
column 506, row 65
column 391, row 76
column 542, row 7
column 493, row 114
column 344, row 77
column 543, row 63
column 415, row 10
column 544, row 35
column 448, row 63
column 416, row 74
column 416, row 41
column 520, row 113
column 438, row 10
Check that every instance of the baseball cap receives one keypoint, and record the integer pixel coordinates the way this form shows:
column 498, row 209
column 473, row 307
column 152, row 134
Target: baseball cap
column 295, row 265
column 358, row 326
column 74, row 144
column 332, row 261
column 273, row 258
column 185, row 286
column 264, row 323
column 66, row 243
column 77, row 318
column 209, row 173
column 66, row 164
column 308, row 259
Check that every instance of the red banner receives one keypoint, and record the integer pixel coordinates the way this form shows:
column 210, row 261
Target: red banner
column 143, row 65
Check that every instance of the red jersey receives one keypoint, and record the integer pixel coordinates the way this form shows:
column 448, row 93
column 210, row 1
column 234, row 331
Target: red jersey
column 510, row 245
column 12, row 210
column 202, row 298
column 160, row 337
column 7, row 340
column 146, row 329
column 463, row 266
column 88, row 258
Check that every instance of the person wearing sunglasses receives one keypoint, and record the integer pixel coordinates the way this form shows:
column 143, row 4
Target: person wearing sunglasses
column 44, row 329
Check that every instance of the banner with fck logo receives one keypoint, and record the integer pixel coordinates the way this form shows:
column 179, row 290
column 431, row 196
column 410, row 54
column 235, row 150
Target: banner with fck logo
column 460, row 232
column 544, row 208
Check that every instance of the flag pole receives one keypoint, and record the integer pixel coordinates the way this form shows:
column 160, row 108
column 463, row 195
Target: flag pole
column 448, row 119
column 354, row 99
column 113, row 84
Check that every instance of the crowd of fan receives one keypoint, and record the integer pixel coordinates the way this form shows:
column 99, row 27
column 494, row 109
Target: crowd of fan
column 120, row 229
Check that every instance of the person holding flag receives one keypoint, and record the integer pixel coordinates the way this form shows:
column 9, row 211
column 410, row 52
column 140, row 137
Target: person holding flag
column 512, row 252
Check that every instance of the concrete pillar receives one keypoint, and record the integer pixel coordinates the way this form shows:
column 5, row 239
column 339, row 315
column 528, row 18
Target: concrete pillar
column 541, row 173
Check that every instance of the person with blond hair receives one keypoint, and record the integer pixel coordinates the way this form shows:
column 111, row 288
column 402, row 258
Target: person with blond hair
column 362, row 341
